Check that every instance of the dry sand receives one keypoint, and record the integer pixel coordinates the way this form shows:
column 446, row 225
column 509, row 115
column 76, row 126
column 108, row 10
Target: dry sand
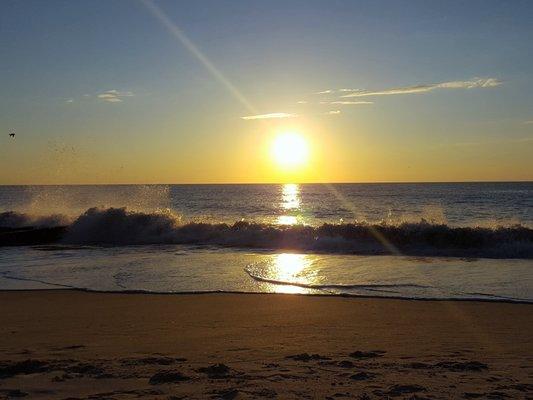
column 79, row 345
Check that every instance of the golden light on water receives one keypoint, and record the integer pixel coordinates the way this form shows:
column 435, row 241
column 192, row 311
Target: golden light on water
column 290, row 203
column 287, row 220
column 290, row 150
column 290, row 196
column 288, row 267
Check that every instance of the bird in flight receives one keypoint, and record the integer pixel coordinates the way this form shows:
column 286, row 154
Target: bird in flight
column 12, row 134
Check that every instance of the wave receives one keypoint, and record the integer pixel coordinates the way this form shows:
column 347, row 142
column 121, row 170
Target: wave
column 119, row 226
column 12, row 219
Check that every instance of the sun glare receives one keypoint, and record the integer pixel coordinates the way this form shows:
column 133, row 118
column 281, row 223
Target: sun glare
column 290, row 150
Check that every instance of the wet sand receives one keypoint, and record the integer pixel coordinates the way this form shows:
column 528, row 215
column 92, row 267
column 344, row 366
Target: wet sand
column 79, row 345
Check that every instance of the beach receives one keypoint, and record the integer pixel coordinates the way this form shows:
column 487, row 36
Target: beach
column 68, row 344
column 256, row 200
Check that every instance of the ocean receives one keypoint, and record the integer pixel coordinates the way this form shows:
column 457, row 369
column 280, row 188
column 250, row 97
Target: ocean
column 469, row 241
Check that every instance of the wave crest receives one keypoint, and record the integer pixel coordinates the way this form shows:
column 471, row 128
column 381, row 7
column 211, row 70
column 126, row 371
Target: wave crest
column 119, row 226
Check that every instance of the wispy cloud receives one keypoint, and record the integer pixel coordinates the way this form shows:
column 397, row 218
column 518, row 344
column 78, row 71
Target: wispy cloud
column 530, row 122
column 69, row 100
column 347, row 103
column 424, row 88
column 114, row 96
column 269, row 116
column 341, row 97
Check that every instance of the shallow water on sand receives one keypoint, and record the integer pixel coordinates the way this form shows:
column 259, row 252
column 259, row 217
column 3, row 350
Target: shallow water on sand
column 180, row 269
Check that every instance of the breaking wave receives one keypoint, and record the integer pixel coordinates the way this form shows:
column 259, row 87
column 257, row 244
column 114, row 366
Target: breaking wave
column 119, row 226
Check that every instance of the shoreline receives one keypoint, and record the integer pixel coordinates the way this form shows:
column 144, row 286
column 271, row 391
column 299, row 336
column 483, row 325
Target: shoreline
column 229, row 292
column 71, row 343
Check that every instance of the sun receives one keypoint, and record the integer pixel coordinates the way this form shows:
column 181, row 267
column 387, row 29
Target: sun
column 290, row 150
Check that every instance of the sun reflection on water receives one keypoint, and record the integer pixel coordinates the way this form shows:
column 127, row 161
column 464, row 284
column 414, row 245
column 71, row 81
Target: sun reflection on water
column 287, row 220
column 290, row 196
column 289, row 267
column 290, row 204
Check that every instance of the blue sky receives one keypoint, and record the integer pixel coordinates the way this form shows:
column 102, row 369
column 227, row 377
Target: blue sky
column 107, row 79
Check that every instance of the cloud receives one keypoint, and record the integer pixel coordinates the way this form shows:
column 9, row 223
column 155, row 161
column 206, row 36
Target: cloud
column 69, row 101
column 474, row 83
column 326, row 91
column 301, row 102
column 120, row 94
column 114, row 96
column 107, row 96
column 269, row 116
column 111, row 99
column 351, row 102
column 530, row 122
column 333, row 112
column 346, row 102
column 470, row 84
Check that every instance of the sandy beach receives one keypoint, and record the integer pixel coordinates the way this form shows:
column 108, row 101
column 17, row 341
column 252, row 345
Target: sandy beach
column 266, row 200
column 79, row 345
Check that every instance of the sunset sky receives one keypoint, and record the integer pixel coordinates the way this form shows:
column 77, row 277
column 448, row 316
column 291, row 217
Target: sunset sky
column 126, row 91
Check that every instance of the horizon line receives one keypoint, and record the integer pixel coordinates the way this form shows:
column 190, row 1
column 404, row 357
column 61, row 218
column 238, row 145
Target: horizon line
column 269, row 183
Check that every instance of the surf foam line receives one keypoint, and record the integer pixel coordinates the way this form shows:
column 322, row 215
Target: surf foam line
column 382, row 290
column 325, row 293
column 119, row 226
column 386, row 288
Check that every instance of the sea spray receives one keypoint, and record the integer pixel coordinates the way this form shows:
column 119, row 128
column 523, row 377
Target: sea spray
column 120, row 226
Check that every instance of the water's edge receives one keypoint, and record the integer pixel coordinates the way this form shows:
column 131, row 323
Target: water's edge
column 234, row 292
